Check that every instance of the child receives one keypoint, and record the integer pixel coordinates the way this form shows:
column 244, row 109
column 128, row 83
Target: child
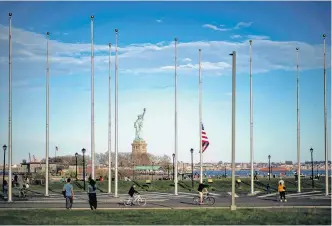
column 282, row 191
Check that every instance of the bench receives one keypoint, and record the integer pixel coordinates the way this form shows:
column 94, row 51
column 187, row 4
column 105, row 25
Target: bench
column 148, row 181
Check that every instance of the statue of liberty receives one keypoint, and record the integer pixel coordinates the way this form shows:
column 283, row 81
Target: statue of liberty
column 138, row 125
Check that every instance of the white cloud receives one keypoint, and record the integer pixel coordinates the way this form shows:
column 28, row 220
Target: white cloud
column 186, row 60
column 159, row 21
column 29, row 50
column 236, row 36
column 242, row 24
column 213, row 27
column 258, row 37
column 237, row 26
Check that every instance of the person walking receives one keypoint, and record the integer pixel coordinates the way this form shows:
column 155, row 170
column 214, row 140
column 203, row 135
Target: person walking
column 92, row 194
column 282, row 192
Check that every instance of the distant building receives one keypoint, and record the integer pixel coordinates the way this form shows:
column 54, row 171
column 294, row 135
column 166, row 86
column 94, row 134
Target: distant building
column 289, row 162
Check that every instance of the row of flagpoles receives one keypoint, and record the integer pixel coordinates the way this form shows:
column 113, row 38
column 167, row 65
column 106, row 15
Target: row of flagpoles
column 202, row 134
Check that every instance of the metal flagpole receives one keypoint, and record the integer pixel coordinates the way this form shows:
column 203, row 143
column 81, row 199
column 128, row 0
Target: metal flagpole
column 251, row 125
column 325, row 126
column 109, row 123
column 92, row 104
column 10, row 114
column 176, row 123
column 47, row 114
column 233, row 206
column 298, row 122
column 116, row 114
column 200, row 116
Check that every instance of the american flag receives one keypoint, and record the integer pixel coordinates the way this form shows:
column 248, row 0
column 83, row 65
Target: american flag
column 56, row 148
column 205, row 140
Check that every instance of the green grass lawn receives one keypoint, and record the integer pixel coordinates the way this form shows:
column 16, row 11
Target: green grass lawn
column 218, row 186
column 168, row 217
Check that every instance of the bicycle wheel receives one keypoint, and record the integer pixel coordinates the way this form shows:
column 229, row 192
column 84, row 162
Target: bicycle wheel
column 210, row 200
column 196, row 200
column 127, row 202
column 141, row 201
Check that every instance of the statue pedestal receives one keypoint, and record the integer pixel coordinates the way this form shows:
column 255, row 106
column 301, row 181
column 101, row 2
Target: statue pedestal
column 139, row 147
column 139, row 152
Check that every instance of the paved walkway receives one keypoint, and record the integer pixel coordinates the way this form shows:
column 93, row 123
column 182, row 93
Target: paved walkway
column 167, row 200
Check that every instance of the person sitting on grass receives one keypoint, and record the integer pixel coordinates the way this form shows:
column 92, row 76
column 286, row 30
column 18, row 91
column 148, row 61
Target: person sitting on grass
column 282, row 192
column 132, row 192
column 68, row 191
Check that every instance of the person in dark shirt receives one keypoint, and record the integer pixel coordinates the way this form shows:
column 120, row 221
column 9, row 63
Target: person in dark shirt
column 132, row 192
column 201, row 189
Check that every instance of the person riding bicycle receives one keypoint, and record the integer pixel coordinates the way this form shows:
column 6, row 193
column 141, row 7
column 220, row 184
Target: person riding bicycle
column 202, row 190
column 132, row 192
column 68, row 191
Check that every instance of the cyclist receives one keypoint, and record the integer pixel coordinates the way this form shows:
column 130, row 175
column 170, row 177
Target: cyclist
column 68, row 191
column 132, row 192
column 202, row 190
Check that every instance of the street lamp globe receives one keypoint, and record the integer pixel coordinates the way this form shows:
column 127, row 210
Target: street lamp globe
column 83, row 151
column 311, row 150
column 76, row 154
column 269, row 156
column 4, row 147
column 173, row 155
column 191, row 150
column 324, row 35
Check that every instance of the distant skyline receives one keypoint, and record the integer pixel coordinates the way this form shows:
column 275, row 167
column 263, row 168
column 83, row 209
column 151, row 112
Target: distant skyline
column 146, row 76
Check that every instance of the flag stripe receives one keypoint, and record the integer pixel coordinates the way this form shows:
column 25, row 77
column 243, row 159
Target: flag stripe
column 205, row 140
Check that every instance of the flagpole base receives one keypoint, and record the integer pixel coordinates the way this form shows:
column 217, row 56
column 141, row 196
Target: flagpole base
column 233, row 207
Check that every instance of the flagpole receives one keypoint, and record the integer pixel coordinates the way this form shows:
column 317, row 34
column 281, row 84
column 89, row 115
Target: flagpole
column 47, row 114
column 109, row 123
column 10, row 114
column 233, row 206
column 298, row 122
column 176, row 122
column 92, row 103
column 55, row 155
column 116, row 115
column 251, row 125
column 200, row 116
column 325, row 126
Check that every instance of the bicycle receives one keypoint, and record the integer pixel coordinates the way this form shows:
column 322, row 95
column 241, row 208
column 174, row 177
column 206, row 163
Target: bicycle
column 69, row 203
column 137, row 200
column 207, row 199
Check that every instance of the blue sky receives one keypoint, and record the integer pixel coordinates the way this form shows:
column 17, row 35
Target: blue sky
column 146, row 75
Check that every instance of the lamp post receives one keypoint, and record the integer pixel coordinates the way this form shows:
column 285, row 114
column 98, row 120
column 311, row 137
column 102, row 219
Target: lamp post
column 173, row 165
column 312, row 167
column 76, row 155
column 152, row 169
column 4, row 163
column 269, row 167
column 192, row 167
column 83, row 152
